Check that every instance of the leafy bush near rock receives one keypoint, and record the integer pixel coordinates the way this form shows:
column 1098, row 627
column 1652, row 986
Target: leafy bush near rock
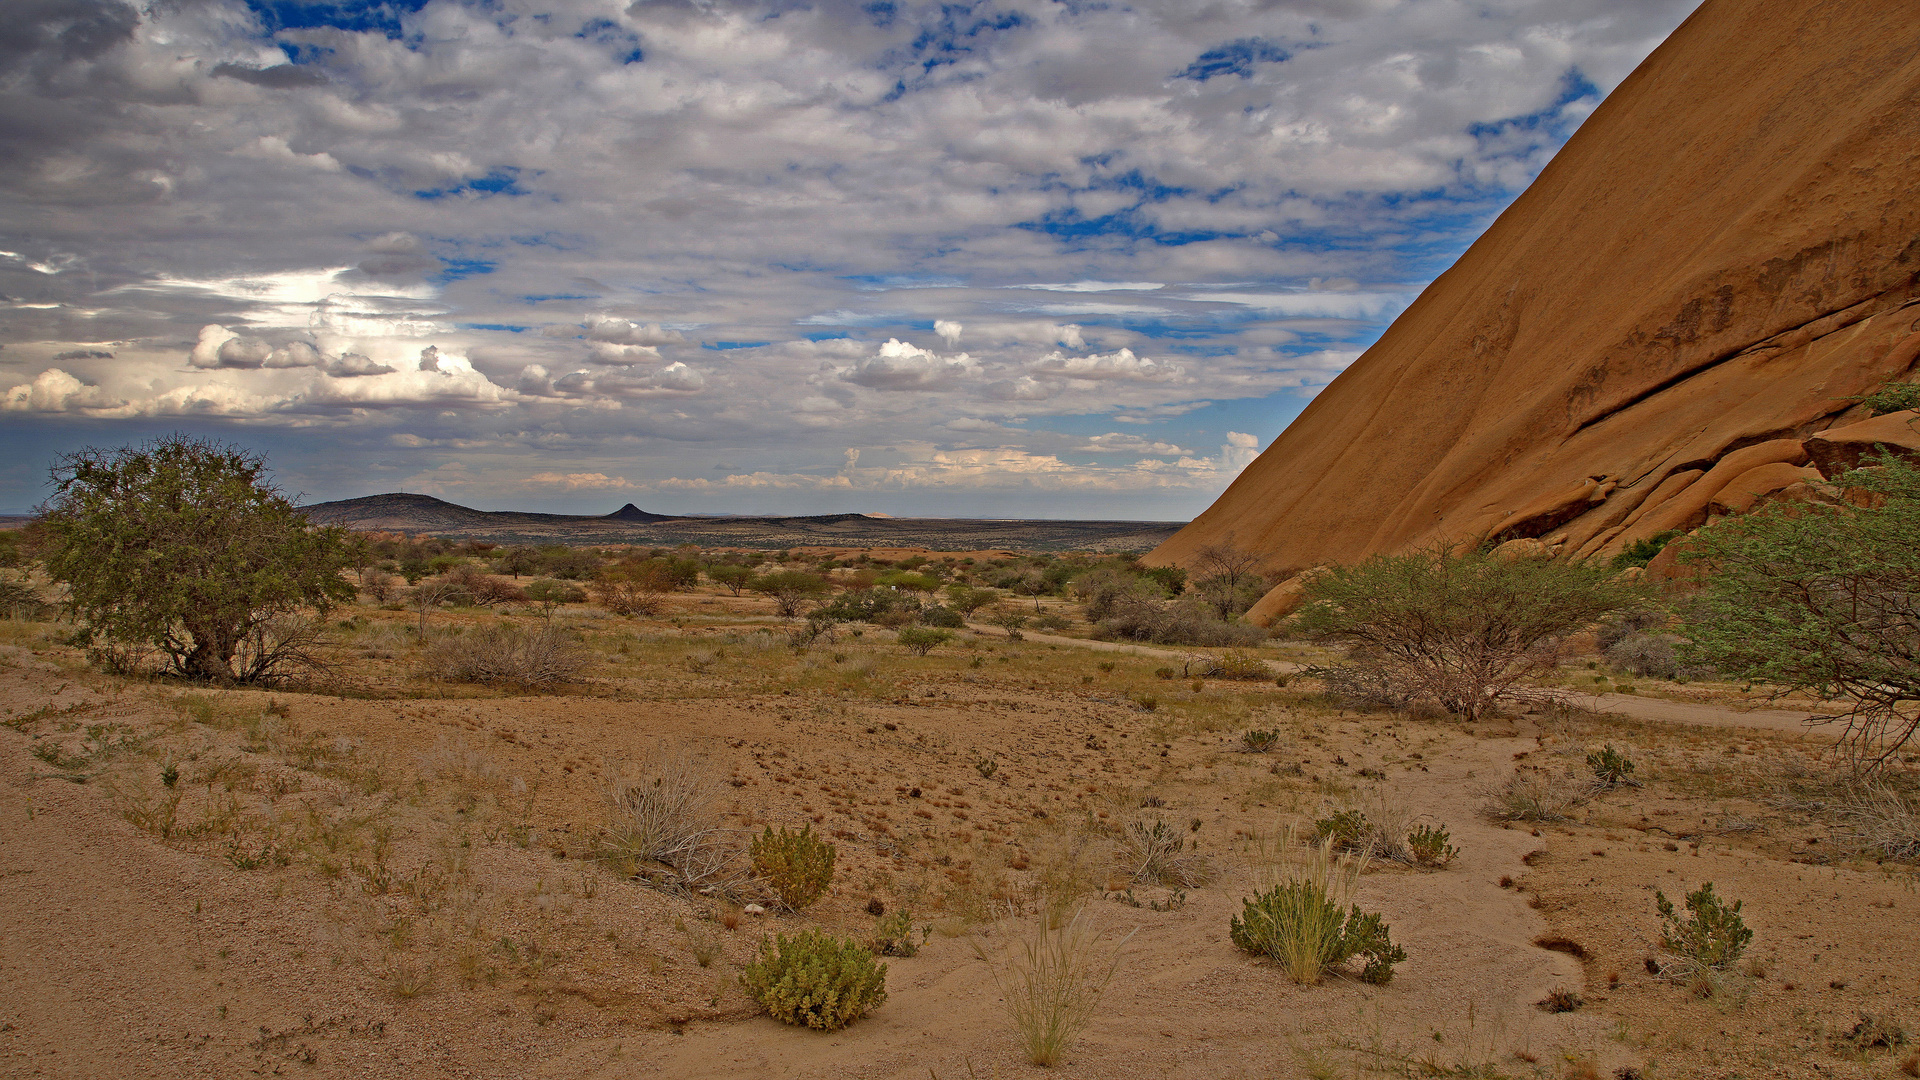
column 1465, row 630
column 1820, row 599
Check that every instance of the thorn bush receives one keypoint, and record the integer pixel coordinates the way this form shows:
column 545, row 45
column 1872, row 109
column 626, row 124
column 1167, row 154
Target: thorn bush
column 815, row 979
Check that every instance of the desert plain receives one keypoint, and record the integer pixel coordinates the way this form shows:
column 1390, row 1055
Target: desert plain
column 386, row 875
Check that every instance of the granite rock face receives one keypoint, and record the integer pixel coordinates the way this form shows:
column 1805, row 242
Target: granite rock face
column 1708, row 275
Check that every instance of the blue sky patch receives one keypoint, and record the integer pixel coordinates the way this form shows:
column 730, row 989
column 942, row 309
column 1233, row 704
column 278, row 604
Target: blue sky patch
column 358, row 16
column 1235, row 58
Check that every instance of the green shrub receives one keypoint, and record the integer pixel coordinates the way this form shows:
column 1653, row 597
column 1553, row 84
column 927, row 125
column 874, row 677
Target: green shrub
column 943, row 617
column 1641, row 552
column 893, row 935
column 921, row 640
column 815, row 979
column 1429, row 846
column 1239, row 665
column 797, row 866
column 1299, row 925
column 1611, row 767
column 1465, row 630
column 1892, row 397
column 1347, row 830
column 1712, row 934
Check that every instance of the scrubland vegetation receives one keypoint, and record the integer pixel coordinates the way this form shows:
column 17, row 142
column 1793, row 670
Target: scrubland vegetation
column 625, row 800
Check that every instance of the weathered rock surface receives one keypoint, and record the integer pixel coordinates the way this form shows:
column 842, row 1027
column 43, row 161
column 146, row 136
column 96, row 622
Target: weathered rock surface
column 1723, row 255
column 1836, row 450
column 1741, row 494
column 1283, row 599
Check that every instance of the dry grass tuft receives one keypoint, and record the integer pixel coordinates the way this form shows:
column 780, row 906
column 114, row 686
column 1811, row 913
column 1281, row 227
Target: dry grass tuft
column 667, row 812
column 1880, row 819
column 1052, row 984
column 540, row 656
column 1156, row 852
column 1535, row 796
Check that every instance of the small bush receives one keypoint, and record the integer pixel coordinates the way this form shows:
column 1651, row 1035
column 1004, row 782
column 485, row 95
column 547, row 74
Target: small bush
column 943, row 617
column 1240, row 665
column 1052, row 985
column 1052, row 620
column 1622, row 625
column 1259, row 741
column 1560, row 1001
column 1362, row 686
column 1429, row 846
column 1712, row 935
column 1533, row 796
column 1610, row 767
column 797, row 866
column 541, row 656
column 1299, row 925
column 921, row 640
column 1641, row 552
column 893, row 935
column 815, row 979
column 1646, row 655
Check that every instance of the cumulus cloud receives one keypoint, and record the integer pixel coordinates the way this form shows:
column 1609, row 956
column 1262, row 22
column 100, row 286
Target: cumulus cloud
column 605, row 328
column 900, row 366
column 1122, row 364
column 1117, row 442
column 55, row 391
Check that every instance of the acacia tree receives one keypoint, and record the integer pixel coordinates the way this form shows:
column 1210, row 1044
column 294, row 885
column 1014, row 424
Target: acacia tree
column 1824, row 599
column 185, row 545
column 1464, row 629
column 790, row 589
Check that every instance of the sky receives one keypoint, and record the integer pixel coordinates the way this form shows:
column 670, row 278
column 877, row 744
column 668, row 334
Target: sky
column 1007, row 258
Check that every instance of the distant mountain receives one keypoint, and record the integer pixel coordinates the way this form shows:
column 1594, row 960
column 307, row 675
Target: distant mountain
column 406, row 512
column 424, row 514
column 631, row 512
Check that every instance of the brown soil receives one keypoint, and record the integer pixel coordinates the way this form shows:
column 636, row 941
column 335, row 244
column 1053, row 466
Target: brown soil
column 400, row 881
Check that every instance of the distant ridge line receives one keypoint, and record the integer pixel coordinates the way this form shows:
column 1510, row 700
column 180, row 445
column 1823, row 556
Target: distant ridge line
column 414, row 513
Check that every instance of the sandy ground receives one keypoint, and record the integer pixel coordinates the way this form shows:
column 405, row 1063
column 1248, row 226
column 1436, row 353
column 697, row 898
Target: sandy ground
column 438, row 913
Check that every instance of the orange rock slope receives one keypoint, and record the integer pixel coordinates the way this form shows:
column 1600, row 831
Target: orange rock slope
column 1724, row 254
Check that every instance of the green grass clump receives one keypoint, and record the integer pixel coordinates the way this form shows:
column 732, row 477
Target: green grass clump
column 1299, row 923
column 815, row 979
column 797, row 866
